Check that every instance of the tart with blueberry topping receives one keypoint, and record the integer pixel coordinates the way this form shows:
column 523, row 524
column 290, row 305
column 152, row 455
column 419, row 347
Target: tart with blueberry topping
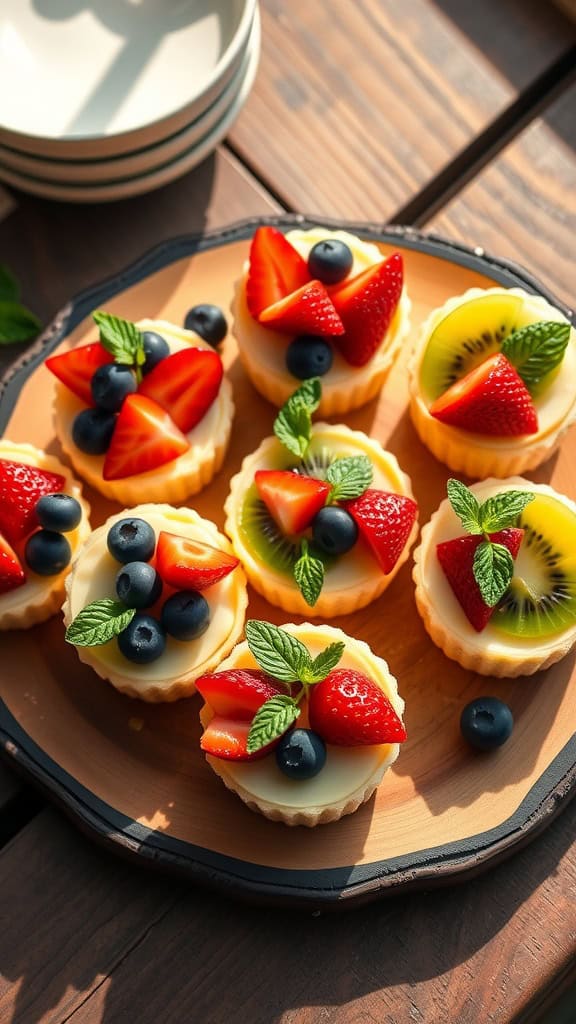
column 156, row 597
column 320, row 303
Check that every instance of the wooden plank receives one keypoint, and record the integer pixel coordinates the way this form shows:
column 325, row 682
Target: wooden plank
column 523, row 206
column 357, row 106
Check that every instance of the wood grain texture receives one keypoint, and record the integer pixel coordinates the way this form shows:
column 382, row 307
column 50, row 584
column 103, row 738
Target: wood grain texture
column 357, row 106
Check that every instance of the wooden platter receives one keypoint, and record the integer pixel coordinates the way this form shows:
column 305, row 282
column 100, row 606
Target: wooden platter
column 132, row 774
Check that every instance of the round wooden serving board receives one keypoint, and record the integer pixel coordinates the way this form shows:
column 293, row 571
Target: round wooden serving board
column 133, row 775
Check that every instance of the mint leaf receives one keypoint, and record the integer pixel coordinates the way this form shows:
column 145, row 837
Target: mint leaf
column 502, row 510
column 121, row 338
column 271, row 720
column 493, row 568
column 9, row 290
column 276, row 651
column 465, row 506
column 324, row 662
column 98, row 622
column 293, row 424
column 537, row 349
column 349, row 477
column 309, row 575
column 16, row 323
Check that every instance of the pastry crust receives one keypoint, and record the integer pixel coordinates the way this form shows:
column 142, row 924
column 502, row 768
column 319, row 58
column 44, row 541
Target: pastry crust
column 350, row 775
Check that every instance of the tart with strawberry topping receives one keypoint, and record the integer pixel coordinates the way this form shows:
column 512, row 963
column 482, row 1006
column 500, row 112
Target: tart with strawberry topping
column 320, row 303
column 156, row 598
column 495, row 576
column 43, row 522
column 492, row 381
column 301, row 722
column 144, row 414
column 321, row 516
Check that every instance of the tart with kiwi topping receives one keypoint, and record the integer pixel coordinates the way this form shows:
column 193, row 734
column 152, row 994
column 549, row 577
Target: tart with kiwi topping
column 320, row 303
column 156, row 597
column 301, row 722
column 321, row 516
column 43, row 522
column 492, row 381
column 495, row 576
column 144, row 413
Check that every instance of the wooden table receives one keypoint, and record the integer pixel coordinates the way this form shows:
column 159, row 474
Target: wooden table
column 461, row 122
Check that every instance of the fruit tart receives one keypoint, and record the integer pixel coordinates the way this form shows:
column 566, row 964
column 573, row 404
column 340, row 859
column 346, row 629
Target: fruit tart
column 492, row 381
column 43, row 522
column 155, row 598
column 321, row 516
column 319, row 303
column 495, row 576
column 145, row 413
column 301, row 722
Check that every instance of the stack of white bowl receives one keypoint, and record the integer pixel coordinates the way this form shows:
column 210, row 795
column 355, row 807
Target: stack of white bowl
column 106, row 99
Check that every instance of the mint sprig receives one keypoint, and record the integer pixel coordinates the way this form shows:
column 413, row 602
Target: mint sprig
column 98, row 623
column 293, row 424
column 349, row 477
column 308, row 574
column 276, row 651
column 122, row 339
column 537, row 349
column 16, row 322
column 493, row 568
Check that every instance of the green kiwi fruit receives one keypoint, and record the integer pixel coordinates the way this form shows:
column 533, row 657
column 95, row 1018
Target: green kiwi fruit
column 541, row 599
column 465, row 338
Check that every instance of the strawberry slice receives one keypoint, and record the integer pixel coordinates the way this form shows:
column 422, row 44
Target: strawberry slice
column 20, row 488
column 492, row 399
column 76, row 368
column 238, row 693
column 291, row 499
column 185, row 384
column 190, row 565
column 457, row 557
column 350, row 710
column 385, row 520
column 309, row 310
column 12, row 574
column 228, row 738
column 144, row 438
column 275, row 270
column 366, row 305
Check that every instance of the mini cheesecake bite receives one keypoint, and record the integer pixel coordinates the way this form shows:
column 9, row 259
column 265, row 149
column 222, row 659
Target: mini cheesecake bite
column 304, row 737
column 145, row 413
column 492, row 387
column 319, row 303
column 156, row 597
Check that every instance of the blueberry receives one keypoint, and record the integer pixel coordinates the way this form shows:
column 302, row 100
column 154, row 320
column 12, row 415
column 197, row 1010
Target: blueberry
column 486, row 723
column 301, row 754
column 47, row 553
column 186, row 615
column 309, row 356
column 60, row 512
column 138, row 585
column 330, row 261
column 111, row 384
column 208, row 321
column 334, row 530
column 92, row 431
column 156, row 348
column 131, row 540
column 143, row 640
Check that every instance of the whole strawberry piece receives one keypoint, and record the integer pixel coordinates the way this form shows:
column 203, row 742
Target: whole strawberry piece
column 385, row 520
column 308, row 310
column 492, row 399
column 350, row 710
column 456, row 558
column 366, row 305
column 275, row 270
column 237, row 692
column 20, row 488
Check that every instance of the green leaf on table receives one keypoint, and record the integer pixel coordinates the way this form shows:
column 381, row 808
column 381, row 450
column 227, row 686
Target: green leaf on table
column 502, row 510
column 537, row 349
column 99, row 622
column 17, row 323
column 271, row 720
column 309, row 575
column 9, row 290
column 277, row 651
column 293, row 424
column 349, row 477
column 465, row 505
column 121, row 338
column 493, row 568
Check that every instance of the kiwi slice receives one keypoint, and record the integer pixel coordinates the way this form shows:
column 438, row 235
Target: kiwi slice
column 541, row 599
column 465, row 338
column 316, row 462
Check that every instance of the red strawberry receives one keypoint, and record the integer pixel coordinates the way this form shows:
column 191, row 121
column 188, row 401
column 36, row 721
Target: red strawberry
column 144, row 438
column 456, row 558
column 366, row 305
column 76, row 368
column 238, row 693
column 20, row 488
column 12, row 574
column 185, row 384
column 491, row 399
column 189, row 565
column 228, row 738
column 292, row 500
column 308, row 310
column 276, row 269
column 349, row 709
column 385, row 521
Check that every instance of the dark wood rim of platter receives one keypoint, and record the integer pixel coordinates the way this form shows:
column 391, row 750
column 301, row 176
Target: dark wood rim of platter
column 321, row 888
